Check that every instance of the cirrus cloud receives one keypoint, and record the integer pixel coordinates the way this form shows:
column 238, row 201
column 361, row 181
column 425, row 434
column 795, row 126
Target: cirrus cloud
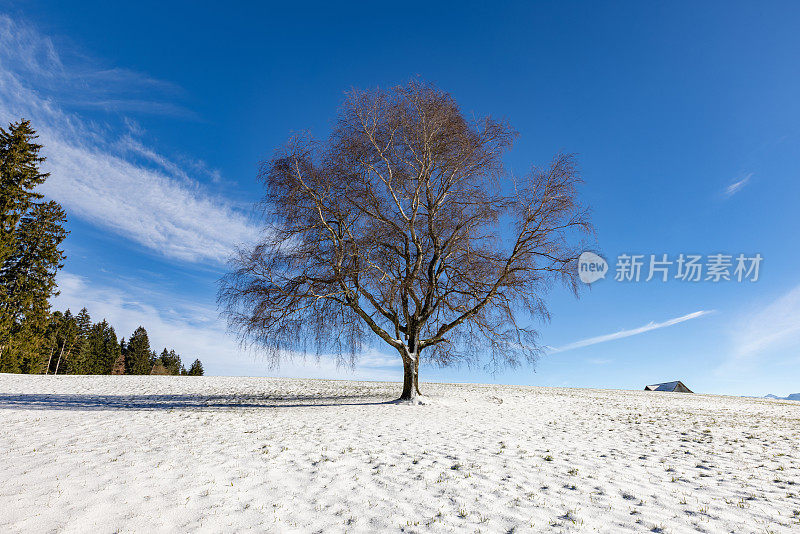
column 631, row 332
column 100, row 172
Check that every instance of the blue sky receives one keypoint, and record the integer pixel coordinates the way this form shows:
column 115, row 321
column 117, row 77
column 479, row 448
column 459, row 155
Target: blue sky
column 685, row 119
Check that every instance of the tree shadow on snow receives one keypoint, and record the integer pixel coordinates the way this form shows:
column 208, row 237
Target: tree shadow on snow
column 80, row 401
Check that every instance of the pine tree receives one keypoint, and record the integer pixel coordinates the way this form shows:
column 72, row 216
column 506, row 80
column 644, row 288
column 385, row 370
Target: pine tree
column 26, row 347
column 111, row 351
column 28, row 275
column 19, row 175
column 100, row 350
column 90, row 351
column 171, row 362
column 83, row 322
column 137, row 353
column 83, row 326
column 196, row 369
column 31, row 233
column 67, row 338
column 55, row 324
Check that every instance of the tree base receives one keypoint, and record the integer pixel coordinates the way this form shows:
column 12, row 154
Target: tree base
column 416, row 400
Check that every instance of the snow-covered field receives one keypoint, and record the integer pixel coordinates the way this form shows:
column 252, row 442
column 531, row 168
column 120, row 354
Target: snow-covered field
column 150, row 454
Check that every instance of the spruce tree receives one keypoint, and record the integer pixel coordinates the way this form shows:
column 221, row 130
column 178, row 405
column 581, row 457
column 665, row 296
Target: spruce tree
column 19, row 176
column 31, row 232
column 55, row 324
column 100, row 350
column 196, row 369
column 111, row 351
column 26, row 347
column 67, row 339
column 83, row 325
column 84, row 322
column 137, row 353
column 28, row 278
column 90, row 351
column 171, row 362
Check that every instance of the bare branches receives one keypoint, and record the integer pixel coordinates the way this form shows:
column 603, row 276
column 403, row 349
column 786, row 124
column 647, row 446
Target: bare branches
column 404, row 222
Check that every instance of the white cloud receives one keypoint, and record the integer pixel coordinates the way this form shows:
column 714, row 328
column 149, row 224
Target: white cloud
column 107, row 178
column 194, row 331
column 628, row 333
column 79, row 80
column 773, row 327
column 737, row 185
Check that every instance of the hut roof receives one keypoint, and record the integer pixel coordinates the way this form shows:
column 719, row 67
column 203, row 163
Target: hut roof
column 676, row 385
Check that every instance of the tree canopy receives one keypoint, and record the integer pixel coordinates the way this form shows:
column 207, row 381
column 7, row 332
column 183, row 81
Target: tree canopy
column 405, row 223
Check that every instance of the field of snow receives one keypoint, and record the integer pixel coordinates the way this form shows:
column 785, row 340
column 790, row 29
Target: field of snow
column 214, row 454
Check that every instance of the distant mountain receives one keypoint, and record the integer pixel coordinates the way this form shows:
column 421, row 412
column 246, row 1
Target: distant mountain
column 792, row 397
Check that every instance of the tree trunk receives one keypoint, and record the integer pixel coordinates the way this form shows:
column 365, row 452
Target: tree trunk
column 410, row 380
column 60, row 354
column 410, row 377
column 416, row 375
column 50, row 359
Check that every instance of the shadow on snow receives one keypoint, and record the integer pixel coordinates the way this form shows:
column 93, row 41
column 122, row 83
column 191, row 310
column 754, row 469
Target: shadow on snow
column 79, row 401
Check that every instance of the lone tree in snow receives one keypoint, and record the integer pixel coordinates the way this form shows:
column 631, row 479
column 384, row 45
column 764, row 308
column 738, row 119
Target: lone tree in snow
column 405, row 223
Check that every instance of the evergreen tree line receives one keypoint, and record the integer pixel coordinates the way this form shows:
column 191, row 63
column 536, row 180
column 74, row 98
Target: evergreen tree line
column 32, row 339
column 78, row 346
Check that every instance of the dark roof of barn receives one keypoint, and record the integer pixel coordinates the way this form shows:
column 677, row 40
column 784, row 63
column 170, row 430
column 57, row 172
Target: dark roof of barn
column 676, row 385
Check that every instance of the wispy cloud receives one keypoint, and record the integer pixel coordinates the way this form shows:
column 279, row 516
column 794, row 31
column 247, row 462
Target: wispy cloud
column 628, row 333
column 101, row 172
column 737, row 185
column 194, row 332
column 130, row 105
column 78, row 80
column 775, row 326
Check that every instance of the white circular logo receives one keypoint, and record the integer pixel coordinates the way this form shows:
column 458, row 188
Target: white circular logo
column 591, row 267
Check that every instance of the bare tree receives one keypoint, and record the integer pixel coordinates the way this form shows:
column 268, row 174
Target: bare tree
column 404, row 223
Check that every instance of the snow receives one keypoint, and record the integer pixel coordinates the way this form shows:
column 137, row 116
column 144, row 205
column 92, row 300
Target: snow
column 218, row 454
